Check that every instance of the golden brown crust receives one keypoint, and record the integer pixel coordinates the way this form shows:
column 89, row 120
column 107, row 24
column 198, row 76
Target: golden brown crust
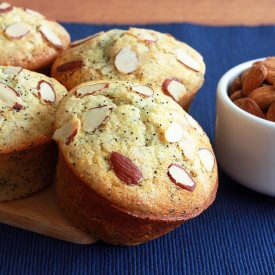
column 133, row 166
column 28, row 102
column 26, row 172
column 32, row 51
column 157, row 61
column 32, row 125
column 89, row 211
column 136, row 128
column 42, row 57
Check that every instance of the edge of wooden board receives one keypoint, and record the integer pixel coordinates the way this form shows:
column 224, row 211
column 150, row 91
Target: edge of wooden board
column 30, row 214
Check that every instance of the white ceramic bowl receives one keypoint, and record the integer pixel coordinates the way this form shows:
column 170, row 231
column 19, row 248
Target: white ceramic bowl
column 245, row 144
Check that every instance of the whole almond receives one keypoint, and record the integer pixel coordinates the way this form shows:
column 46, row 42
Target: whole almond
column 263, row 96
column 236, row 95
column 250, row 106
column 256, row 94
column 270, row 78
column 244, row 75
column 254, row 78
column 270, row 115
column 235, row 86
column 269, row 63
column 125, row 169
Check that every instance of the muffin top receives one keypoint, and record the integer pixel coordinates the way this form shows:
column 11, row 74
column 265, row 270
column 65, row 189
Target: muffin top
column 136, row 148
column 28, row 102
column 140, row 55
column 27, row 39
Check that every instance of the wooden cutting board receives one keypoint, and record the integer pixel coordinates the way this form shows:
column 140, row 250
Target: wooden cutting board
column 40, row 213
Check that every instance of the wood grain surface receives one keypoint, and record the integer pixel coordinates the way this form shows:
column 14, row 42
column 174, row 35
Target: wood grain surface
column 40, row 213
column 212, row 12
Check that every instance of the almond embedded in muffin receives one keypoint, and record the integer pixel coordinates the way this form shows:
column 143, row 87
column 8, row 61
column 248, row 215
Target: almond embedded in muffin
column 145, row 56
column 28, row 102
column 123, row 164
column 28, row 39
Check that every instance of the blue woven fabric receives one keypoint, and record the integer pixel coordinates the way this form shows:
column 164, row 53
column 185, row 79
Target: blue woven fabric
column 234, row 236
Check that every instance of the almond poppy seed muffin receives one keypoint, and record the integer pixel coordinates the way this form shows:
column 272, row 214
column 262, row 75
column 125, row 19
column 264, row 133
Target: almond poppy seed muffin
column 28, row 39
column 28, row 101
column 133, row 164
column 140, row 55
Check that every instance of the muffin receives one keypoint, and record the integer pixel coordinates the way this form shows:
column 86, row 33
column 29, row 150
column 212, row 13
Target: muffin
column 133, row 165
column 28, row 102
column 28, row 39
column 144, row 56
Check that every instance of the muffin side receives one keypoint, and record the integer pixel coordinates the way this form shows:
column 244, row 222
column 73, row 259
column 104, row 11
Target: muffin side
column 28, row 101
column 26, row 172
column 95, row 215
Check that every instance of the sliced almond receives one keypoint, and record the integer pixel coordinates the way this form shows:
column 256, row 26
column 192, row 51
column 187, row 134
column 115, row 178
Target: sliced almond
column 254, row 78
column 195, row 125
column 50, row 36
column 96, row 117
column 70, row 66
column 143, row 90
column 34, row 13
column 174, row 132
column 67, row 132
column 207, row 159
column 9, row 97
column 125, row 169
column 126, row 60
column 2, row 119
column 250, row 106
column 90, row 89
column 180, row 177
column 5, row 7
column 17, row 30
column 270, row 115
column 12, row 70
column 46, row 91
column 188, row 147
column 174, row 88
column 143, row 34
column 187, row 60
column 80, row 41
column 263, row 96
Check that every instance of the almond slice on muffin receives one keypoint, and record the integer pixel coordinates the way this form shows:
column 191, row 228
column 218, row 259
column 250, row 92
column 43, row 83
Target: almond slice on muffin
column 28, row 102
column 126, row 175
column 145, row 56
column 28, row 39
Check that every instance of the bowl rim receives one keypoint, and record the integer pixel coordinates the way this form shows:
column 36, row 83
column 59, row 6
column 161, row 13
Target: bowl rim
column 222, row 92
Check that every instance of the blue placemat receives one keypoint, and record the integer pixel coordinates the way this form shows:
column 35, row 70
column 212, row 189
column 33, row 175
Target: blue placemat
column 235, row 236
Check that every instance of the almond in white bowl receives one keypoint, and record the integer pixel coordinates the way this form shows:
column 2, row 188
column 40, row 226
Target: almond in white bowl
column 254, row 90
column 245, row 142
